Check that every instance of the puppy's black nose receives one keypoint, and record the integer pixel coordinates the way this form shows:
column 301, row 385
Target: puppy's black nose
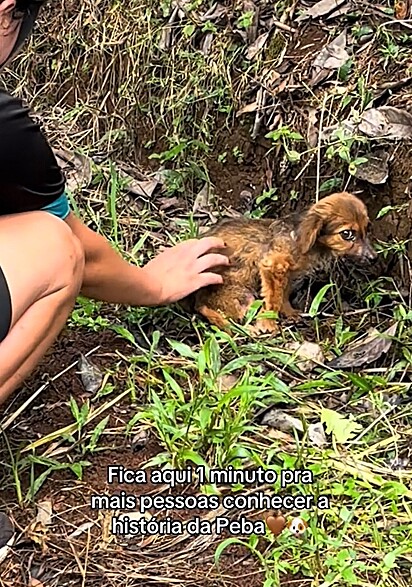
column 370, row 254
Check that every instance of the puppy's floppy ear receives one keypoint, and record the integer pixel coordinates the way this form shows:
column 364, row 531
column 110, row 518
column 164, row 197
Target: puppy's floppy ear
column 308, row 230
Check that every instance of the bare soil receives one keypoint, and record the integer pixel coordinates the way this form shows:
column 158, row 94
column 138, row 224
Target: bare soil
column 50, row 559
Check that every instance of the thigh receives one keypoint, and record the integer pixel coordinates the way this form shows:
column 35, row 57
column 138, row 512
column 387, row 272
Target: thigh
column 37, row 256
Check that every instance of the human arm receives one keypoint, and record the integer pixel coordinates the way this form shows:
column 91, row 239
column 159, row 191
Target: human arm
column 169, row 277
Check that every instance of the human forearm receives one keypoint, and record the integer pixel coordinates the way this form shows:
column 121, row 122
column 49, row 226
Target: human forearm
column 108, row 277
column 169, row 277
column 111, row 279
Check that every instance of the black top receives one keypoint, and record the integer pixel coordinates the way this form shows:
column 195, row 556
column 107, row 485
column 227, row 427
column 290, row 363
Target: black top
column 30, row 177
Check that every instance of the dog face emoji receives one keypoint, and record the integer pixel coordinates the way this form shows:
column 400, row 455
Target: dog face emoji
column 297, row 527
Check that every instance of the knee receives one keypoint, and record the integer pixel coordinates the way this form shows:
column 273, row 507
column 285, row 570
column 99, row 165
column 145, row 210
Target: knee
column 68, row 258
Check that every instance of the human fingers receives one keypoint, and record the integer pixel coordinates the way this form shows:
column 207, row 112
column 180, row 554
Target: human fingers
column 209, row 242
column 207, row 278
column 209, row 261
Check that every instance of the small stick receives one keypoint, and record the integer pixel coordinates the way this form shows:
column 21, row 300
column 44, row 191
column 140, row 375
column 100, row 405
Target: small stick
column 6, row 423
column 283, row 27
column 322, row 114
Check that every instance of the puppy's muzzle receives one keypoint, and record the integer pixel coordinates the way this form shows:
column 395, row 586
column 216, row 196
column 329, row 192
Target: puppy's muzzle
column 368, row 253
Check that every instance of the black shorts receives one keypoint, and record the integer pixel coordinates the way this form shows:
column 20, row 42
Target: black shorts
column 5, row 307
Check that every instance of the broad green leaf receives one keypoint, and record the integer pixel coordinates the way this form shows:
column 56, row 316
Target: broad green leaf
column 342, row 428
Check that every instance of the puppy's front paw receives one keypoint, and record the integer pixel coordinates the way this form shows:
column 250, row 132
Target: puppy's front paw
column 263, row 326
column 292, row 315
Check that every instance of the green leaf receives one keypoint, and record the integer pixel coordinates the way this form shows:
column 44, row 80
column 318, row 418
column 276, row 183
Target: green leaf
column 345, row 514
column 349, row 576
column 314, row 308
column 77, row 469
column 190, row 455
column 330, row 184
column 174, row 386
column 212, row 355
column 188, row 30
column 360, row 382
column 204, row 417
column 74, row 408
column 342, row 428
column 97, row 432
column 34, row 488
column 389, row 560
column 124, row 333
column 394, row 489
column 241, row 362
column 182, row 349
column 293, row 156
column 383, row 211
column 223, row 545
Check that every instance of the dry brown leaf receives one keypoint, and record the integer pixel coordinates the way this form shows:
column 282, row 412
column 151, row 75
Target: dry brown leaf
column 312, row 132
column 331, row 57
column 226, row 382
column 38, row 528
column 320, row 9
column 91, row 376
column 166, row 39
column 279, row 435
column 316, row 434
column 257, row 46
column 386, row 121
column 206, row 44
column 202, row 200
column 77, row 169
column 365, row 351
column 247, row 109
column 252, row 30
column 137, row 187
column 375, row 170
column 282, row 421
column 215, row 12
column 44, row 512
column 308, row 355
column 339, row 12
column 82, row 528
column 270, row 77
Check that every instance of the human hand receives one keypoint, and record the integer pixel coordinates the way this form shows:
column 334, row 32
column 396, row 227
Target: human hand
column 181, row 270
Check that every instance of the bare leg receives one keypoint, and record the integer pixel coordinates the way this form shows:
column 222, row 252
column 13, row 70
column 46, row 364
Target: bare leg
column 43, row 263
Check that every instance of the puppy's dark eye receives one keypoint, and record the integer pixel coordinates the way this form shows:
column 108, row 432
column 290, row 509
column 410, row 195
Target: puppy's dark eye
column 348, row 235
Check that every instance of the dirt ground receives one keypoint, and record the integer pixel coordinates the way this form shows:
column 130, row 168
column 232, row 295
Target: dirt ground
column 50, row 560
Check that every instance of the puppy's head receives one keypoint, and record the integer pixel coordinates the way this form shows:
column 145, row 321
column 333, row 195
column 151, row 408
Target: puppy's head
column 338, row 222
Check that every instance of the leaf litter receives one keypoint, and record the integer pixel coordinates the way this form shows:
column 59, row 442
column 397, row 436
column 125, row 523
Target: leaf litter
column 367, row 350
column 91, row 376
column 331, row 57
column 321, row 8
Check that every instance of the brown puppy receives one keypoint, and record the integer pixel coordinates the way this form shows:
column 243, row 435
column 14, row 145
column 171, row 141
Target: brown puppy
column 270, row 258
